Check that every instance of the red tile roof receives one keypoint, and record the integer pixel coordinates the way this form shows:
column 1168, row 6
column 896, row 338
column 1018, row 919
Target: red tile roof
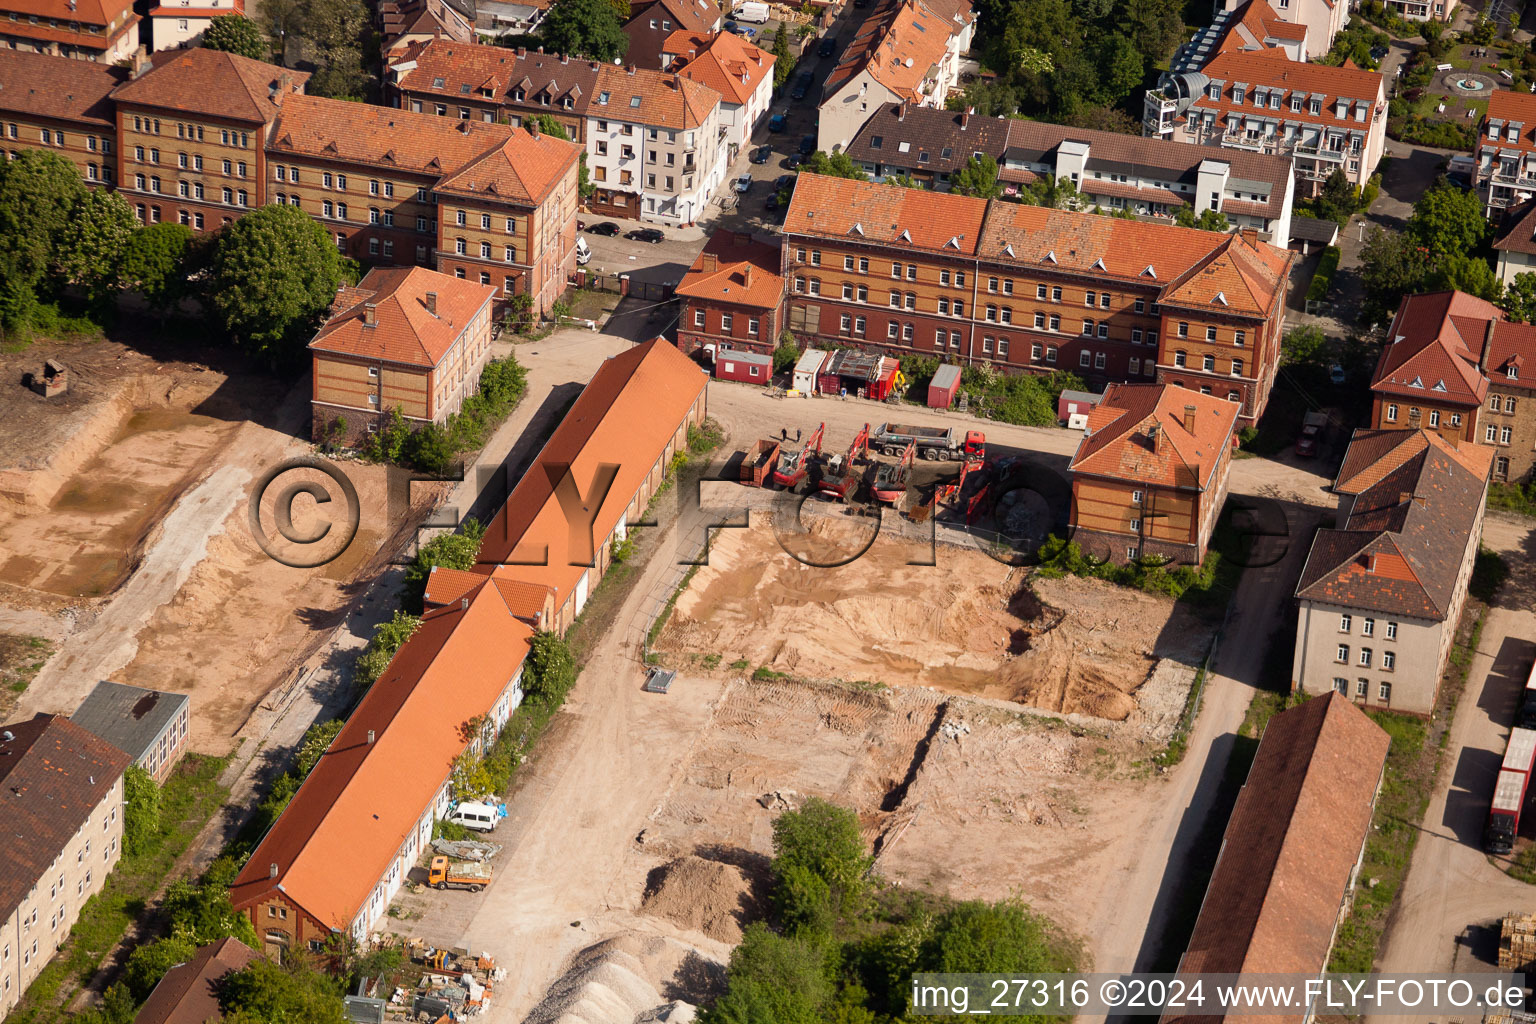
column 212, row 82
column 527, row 601
column 1271, row 69
column 1436, row 340
column 1512, row 350
column 452, row 70
column 899, row 45
column 1517, row 229
column 728, row 64
column 363, row 800
column 59, row 87
column 733, row 268
column 841, row 208
column 1140, row 433
column 1289, row 852
column 90, row 12
column 1508, row 109
column 666, row 100
column 386, row 137
column 188, row 993
column 523, row 170
column 1256, row 26
column 403, row 331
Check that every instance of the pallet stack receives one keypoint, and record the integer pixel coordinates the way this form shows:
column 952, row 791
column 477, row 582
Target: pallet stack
column 1517, row 942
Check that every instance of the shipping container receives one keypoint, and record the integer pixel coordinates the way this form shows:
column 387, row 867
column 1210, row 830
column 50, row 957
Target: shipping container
column 807, row 367
column 747, row 367
column 944, row 387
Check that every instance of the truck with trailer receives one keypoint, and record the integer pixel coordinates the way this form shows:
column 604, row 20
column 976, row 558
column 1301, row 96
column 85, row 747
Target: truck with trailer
column 932, row 443
column 462, row 874
column 1509, row 792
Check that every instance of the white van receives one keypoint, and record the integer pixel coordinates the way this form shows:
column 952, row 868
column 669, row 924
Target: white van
column 751, row 12
column 479, row 817
column 583, row 253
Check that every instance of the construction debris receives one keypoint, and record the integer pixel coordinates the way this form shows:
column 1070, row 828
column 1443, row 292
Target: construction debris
column 1517, row 942
column 465, row 849
column 780, row 800
column 447, row 982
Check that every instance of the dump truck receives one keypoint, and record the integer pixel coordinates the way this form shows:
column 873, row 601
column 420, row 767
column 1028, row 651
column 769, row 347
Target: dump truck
column 470, row 875
column 761, row 460
column 1313, row 424
column 932, row 443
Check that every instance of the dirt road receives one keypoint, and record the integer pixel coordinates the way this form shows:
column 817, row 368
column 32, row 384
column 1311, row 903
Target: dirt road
column 1450, row 884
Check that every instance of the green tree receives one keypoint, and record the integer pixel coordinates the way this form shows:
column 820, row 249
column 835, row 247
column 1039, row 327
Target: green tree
column 978, row 178
column 449, row 550
column 584, row 28
column 1447, row 220
column 387, row 639
column 818, row 854
column 1157, row 26
column 1103, row 119
column 1121, row 67
column 155, row 264
column 1209, row 220
column 978, row 937
column 38, row 192
column 786, row 354
column 1470, row 274
column 141, row 814
column 292, row 994
column 783, row 60
column 1050, row 191
column 549, row 671
column 271, row 278
column 1337, row 201
column 1305, row 346
column 772, row 980
column 903, row 181
column 235, row 33
column 337, row 33
column 148, row 963
column 838, row 165
column 203, row 913
column 1520, row 298
column 1392, row 265
column 90, row 250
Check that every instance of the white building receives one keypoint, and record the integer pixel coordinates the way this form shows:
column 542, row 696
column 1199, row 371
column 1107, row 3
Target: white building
column 740, row 72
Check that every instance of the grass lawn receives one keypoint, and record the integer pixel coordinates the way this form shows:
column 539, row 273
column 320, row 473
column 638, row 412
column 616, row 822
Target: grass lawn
column 21, row 658
column 590, row 304
column 187, row 800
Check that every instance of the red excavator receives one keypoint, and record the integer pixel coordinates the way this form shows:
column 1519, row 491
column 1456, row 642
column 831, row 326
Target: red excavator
column 794, row 465
column 842, row 476
column 891, row 480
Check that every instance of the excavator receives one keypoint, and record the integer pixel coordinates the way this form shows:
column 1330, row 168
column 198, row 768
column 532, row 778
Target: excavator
column 794, row 465
column 842, row 476
column 891, row 480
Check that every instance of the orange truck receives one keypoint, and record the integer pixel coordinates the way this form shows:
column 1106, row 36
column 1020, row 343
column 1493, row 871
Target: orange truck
column 444, row 873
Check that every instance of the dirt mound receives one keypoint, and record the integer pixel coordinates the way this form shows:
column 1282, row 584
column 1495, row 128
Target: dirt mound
column 617, row 981
column 704, row 895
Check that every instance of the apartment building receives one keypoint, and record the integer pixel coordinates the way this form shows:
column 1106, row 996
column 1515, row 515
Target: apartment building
column 1382, row 592
column 733, row 67
column 104, row 31
column 403, row 22
column 1303, row 29
column 150, row 726
column 731, row 296
column 366, row 173
column 651, row 22
column 181, row 23
column 61, row 105
column 1150, row 474
column 72, row 821
column 508, row 218
column 1323, row 118
column 1151, row 177
column 906, row 51
column 403, row 338
column 1456, row 366
column 1030, row 289
column 1506, row 141
column 192, row 127
column 1515, row 241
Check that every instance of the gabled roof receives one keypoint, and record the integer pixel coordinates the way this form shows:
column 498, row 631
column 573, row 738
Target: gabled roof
column 665, row 100
column 452, row 70
column 690, row 15
column 523, row 170
column 1141, row 433
column 733, row 268
column 1507, row 108
column 188, row 993
column 899, row 44
column 1271, row 69
column 448, row 586
column 203, row 81
column 52, row 775
column 90, row 12
column 1415, row 498
column 130, row 718
column 1242, row 275
column 404, row 330
column 941, row 222
column 1290, row 848
column 58, row 87
column 1256, row 25
column 1435, row 342
column 364, row 798
column 361, row 133
column 728, row 64
column 1517, row 229
column 1510, row 360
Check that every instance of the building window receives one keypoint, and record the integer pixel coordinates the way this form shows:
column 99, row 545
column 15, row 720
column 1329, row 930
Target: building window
column 1343, row 654
column 1179, row 359
column 1365, row 657
column 1434, row 417
column 1135, row 366
column 1504, row 435
column 1208, row 363
column 1388, row 661
column 1392, row 413
column 1083, row 357
column 726, row 321
column 1385, row 693
column 1183, row 329
column 1367, row 627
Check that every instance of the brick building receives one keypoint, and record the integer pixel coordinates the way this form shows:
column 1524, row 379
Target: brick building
column 1030, row 289
column 63, row 106
column 104, row 31
column 731, row 296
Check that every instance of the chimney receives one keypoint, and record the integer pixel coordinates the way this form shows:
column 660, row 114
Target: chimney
column 540, row 49
column 522, row 51
column 901, row 111
column 370, row 315
column 1482, row 358
column 629, row 69
column 1155, row 437
column 272, row 870
column 1189, row 418
column 564, row 59
column 370, row 737
column 533, row 126
column 595, row 65
column 965, row 118
column 710, row 264
column 432, row 303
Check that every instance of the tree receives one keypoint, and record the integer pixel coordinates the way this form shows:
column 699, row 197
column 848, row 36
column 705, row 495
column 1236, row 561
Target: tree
column 1446, row 220
column 1104, row 119
column 549, row 671
column 1209, row 220
column 772, row 980
column 978, row 178
column 235, row 33
column 838, row 165
column 156, row 263
column 904, row 181
column 38, row 191
column 292, row 994
column 1306, row 345
column 1392, row 265
column 993, row 937
column 387, row 639
column 1470, row 274
column 337, row 33
column 1337, row 201
column 449, row 550
column 1520, row 298
column 1120, row 66
column 787, row 353
column 90, row 249
column 203, row 913
column 1157, row 26
column 584, row 28
column 1052, row 192
column 272, row 276
column 819, row 864
column 148, row 963
column 141, row 816
column 783, row 60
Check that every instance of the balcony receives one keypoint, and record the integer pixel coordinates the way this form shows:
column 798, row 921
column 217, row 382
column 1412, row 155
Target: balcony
column 1512, row 176
column 1323, row 151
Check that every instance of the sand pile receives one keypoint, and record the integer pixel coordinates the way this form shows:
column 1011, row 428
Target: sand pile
column 704, row 895
column 617, row 981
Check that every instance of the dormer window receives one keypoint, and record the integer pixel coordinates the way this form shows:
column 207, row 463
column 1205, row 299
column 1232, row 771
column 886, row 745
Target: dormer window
column 1512, row 371
column 1315, row 105
column 1213, row 91
column 1237, row 94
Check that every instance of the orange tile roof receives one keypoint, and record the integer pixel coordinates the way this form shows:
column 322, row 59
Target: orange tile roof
column 900, row 45
column 1373, row 454
column 100, row 41
column 524, row 170
column 1436, row 340
column 734, row 268
column 526, row 600
column 842, row 208
column 203, row 81
column 450, row 69
column 360, row 133
column 1138, row 433
column 90, row 12
column 404, row 331
column 1255, row 25
column 349, row 819
column 728, row 64
column 59, row 87
column 1506, row 108
column 626, row 416
column 1272, row 69
column 666, row 100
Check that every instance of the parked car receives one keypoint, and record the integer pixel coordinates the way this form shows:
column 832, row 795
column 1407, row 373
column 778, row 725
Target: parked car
column 1378, row 52
column 583, row 252
column 652, row 235
column 793, row 160
column 1336, row 373
column 731, row 26
column 783, row 182
column 773, row 202
column 761, row 154
column 607, row 229
column 808, row 145
column 742, row 185
column 828, row 47
column 803, row 82
column 776, row 123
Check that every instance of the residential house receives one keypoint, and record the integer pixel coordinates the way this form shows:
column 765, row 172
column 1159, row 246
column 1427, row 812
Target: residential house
column 189, row 992
column 1506, row 141
column 1323, row 118
column 350, row 836
column 906, row 51
column 1031, row 289
column 1291, row 854
column 509, row 217
column 367, row 173
column 104, row 31
column 181, row 24
column 150, row 726
column 403, row 22
column 497, row 18
column 652, row 21
column 1515, row 242
column 1150, row 474
column 736, row 69
column 1149, row 176
column 64, row 794
column 731, row 296
column 1304, row 29
column 405, row 338
column 1382, row 591
column 63, row 106
column 191, row 135
column 1455, row 365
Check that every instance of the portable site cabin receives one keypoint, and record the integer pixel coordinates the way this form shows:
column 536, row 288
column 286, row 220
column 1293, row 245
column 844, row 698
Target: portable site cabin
column 748, row 367
column 807, row 368
column 944, row 387
column 1076, row 403
column 859, row 374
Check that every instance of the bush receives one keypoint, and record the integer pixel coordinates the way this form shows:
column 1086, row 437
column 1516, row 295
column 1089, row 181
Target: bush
column 549, row 671
column 387, row 639
column 433, row 448
column 141, row 816
column 1425, row 131
column 451, row 551
column 1322, row 280
column 819, row 863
